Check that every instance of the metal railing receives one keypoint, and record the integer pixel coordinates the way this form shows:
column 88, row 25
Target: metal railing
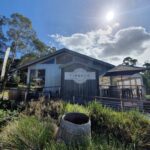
column 124, row 97
column 123, row 91
column 122, row 104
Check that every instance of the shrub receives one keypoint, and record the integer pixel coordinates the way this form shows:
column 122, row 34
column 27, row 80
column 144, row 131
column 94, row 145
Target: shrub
column 76, row 108
column 27, row 133
column 6, row 116
column 98, row 143
column 124, row 126
column 43, row 108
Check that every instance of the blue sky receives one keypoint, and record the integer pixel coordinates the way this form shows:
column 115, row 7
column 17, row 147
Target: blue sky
column 81, row 25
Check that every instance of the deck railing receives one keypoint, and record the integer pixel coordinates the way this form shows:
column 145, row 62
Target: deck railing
column 122, row 91
column 124, row 97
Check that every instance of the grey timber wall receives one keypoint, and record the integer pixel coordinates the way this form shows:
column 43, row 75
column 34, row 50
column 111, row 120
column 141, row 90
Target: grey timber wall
column 82, row 92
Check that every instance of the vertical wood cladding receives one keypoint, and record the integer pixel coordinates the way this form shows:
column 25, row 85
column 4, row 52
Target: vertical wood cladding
column 64, row 58
column 75, row 92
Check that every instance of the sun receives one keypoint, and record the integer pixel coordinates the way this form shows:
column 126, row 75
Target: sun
column 110, row 16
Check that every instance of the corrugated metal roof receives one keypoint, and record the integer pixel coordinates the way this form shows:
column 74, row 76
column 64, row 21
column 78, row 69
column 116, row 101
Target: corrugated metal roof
column 124, row 70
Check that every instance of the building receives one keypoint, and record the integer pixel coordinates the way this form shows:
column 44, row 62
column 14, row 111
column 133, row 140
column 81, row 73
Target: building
column 124, row 81
column 67, row 73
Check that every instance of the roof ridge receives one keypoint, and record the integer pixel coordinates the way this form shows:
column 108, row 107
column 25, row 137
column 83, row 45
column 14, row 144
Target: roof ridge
column 61, row 51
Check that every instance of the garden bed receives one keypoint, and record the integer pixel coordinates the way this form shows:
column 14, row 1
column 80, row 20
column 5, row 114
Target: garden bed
column 110, row 129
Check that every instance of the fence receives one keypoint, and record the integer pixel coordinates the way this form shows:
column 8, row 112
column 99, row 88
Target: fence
column 125, row 91
column 124, row 97
column 116, row 98
column 147, row 91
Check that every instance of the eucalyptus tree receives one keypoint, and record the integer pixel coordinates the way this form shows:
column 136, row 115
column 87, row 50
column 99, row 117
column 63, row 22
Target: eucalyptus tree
column 130, row 61
column 17, row 33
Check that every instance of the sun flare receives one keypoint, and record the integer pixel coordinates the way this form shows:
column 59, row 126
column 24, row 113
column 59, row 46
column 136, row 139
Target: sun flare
column 110, row 16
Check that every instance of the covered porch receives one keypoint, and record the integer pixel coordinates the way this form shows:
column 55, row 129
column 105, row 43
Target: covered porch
column 122, row 87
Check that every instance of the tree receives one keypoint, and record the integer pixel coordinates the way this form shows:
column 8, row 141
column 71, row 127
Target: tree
column 20, row 34
column 17, row 33
column 146, row 65
column 146, row 77
column 128, row 61
column 40, row 46
column 27, row 58
column 3, row 22
column 147, row 72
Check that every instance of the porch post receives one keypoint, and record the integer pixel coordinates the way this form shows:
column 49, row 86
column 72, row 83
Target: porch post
column 121, row 100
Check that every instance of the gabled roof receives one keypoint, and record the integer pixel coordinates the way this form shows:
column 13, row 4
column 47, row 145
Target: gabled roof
column 72, row 63
column 64, row 50
column 124, row 70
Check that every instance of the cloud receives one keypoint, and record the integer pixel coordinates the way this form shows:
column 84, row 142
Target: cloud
column 88, row 43
column 114, row 58
column 106, row 44
column 127, row 41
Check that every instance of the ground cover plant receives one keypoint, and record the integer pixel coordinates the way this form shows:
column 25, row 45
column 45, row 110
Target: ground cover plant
column 110, row 129
column 6, row 116
column 27, row 133
column 127, row 127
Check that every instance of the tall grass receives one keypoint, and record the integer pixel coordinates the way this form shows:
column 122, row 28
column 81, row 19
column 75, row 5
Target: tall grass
column 76, row 108
column 124, row 126
column 5, row 116
column 111, row 130
column 27, row 133
column 43, row 108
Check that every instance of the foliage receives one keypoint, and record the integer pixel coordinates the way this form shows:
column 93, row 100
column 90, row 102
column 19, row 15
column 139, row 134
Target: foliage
column 27, row 133
column 124, row 126
column 27, row 58
column 76, row 108
column 146, row 80
column 16, row 78
column 31, row 133
column 147, row 97
column 17, row 33
column 129, row 61
column 44, row 108
column 110, row 129
column 6, row 116
column 146, row 65
column 42, row 48
column 146, row 77
column 3, row 22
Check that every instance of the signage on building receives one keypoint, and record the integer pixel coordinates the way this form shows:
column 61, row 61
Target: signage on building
column 80, row 76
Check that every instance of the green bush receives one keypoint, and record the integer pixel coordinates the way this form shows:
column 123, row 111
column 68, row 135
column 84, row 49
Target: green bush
column 110, row 129
column 98, row 143
column 44, row 108
column 76, row 108
column 5, row 116
column 147, row 97
column 27, row 133
column 124, row 126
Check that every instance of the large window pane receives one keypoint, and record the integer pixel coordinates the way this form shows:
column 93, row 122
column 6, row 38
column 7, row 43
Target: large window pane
column 32, row 75
column 41, row 77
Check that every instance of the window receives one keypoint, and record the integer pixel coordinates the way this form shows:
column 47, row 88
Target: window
column 32, row 75
column 37, row 77
column 51, row 61
column 41, row 76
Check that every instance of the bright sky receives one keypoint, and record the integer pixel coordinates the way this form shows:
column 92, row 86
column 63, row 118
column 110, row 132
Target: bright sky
column 105, row 29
